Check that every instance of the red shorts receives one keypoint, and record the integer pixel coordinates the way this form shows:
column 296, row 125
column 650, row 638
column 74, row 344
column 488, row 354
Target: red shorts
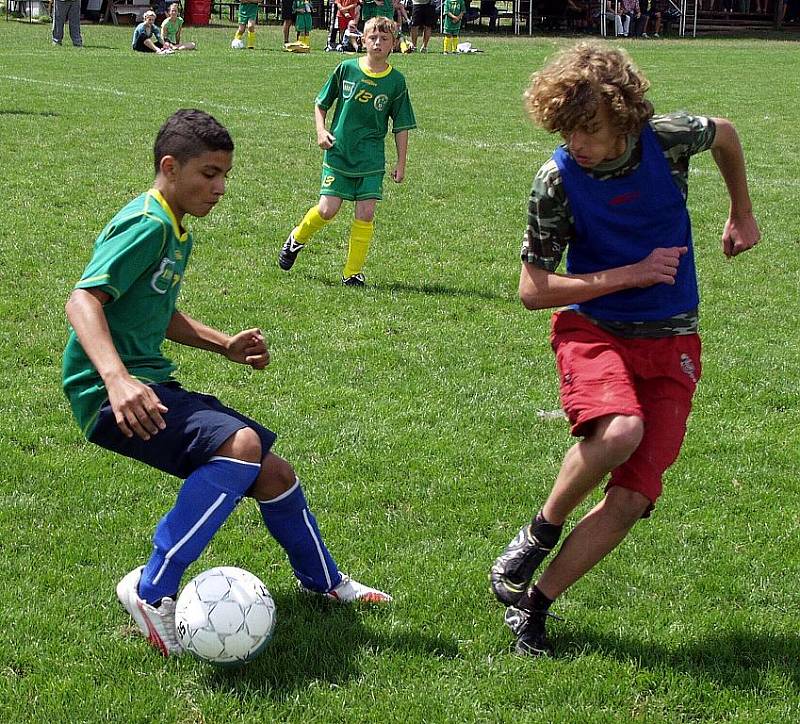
column 653, row 379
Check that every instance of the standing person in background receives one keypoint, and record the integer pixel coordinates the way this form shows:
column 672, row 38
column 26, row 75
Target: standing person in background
column 248, row 17
column 368, row 93
column 67, row 11
column 423, row 16
column 287, row 13
column 453, row 15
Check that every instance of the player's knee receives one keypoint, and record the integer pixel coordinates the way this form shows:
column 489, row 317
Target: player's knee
column 328, row 207
column 244, row 444
column 276, row 477
column 621, row 436
column 625, row 505
column 251, row 26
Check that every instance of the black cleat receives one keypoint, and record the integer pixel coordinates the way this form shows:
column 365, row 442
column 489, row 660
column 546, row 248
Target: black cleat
column 512, row 571
column 356, row 280
column 529, row 629
column 289, row 252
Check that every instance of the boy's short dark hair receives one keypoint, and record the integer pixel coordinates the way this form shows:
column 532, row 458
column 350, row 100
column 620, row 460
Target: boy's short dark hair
column 188, row 133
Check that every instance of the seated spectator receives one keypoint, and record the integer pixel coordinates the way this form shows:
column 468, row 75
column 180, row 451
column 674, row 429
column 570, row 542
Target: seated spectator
column 618, row 17
column 147, row 36
column 632, row 12
column 171, row 30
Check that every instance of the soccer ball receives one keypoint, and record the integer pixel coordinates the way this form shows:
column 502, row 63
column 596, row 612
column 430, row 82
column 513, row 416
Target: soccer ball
column 237, row 44
column 225, row 616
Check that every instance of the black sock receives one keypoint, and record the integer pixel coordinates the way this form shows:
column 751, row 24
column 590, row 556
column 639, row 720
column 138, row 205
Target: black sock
column 534, row 600
column 546, row 533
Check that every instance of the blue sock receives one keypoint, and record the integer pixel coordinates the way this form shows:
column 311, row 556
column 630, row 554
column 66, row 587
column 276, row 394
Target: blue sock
column 293, row 525
column 206, row 499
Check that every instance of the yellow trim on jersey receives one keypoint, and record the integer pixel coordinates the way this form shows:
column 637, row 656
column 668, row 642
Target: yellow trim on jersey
column 362, row 62
column 181, row 234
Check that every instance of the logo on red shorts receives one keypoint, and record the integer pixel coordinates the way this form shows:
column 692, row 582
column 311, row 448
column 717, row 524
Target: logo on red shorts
column 688, row 368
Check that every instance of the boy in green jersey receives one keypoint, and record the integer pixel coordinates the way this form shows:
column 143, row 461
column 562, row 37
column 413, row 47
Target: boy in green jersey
column 303, row 21
column 367, row 92
column 125, row 399
column 453, row 14
column 248, row 16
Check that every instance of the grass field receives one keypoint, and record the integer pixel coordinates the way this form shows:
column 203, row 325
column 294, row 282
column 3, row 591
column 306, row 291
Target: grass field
column 410, row 409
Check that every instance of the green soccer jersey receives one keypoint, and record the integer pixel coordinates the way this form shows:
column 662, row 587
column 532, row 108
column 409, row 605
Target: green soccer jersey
column 365, row 102
column 139, row 260
column 455, row 7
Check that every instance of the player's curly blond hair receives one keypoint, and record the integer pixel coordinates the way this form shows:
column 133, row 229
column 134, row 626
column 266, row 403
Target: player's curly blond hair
column 566, row 94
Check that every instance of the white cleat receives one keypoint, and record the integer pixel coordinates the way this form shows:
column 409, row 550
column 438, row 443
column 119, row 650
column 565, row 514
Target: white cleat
column 351, row 591
column 157, row 624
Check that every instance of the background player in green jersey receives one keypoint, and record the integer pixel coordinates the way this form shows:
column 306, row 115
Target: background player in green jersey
column 248, row 16
column 367, row 92
column 123, row 395
column 453, row 14
column 302, row 21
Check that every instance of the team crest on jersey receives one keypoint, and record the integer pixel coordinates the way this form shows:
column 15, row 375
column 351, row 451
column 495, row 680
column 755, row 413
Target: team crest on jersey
column 347, row 88
column 165, row 277
column 380, row 102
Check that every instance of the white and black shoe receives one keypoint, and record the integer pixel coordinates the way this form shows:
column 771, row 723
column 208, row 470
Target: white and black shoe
column 514, row 567
column 356, row 280
column 529, row 629
column 289, row 252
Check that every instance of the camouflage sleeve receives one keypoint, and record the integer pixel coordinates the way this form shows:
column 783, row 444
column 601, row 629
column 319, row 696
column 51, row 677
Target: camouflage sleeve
column 683, row 135
column 550, row 223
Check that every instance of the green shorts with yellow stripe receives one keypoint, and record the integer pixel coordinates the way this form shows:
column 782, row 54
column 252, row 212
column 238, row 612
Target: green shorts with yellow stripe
column 350, row 188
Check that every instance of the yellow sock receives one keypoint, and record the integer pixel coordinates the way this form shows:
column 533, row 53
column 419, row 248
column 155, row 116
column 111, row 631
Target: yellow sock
column 307, row 40
column 360, row 237
column 312, row 222
column 446, row 48
column 238, row 36
column 456, row 41
column 251, row 39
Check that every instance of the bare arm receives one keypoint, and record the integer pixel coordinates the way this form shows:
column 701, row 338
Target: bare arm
column 137, row 409
column 248, row 347
column 401, row 143
column 741, row 230
column 541, row 289
column 325, row 139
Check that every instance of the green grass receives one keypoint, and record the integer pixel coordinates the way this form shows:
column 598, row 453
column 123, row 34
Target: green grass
column 409, row 408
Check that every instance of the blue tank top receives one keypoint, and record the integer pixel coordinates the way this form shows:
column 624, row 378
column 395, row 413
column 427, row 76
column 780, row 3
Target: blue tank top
column 619, row 221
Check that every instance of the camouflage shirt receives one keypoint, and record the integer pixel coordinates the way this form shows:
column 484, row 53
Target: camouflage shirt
column 551, row 225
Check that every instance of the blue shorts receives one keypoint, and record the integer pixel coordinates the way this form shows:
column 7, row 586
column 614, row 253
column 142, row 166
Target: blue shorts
column 197, row 425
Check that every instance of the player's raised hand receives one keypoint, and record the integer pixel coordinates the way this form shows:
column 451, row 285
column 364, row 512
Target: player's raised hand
column 137, row 409
column 325, row 139
column 740, row 234
column 660, row 266
column 249, row 348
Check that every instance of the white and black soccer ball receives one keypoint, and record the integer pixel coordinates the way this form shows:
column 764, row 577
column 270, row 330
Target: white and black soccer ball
column 237, row 44
column 225, row 616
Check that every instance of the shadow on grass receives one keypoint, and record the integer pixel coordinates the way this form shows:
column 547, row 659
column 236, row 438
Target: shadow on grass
column 432, row 289
column 321, row 642
column 740, row 659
